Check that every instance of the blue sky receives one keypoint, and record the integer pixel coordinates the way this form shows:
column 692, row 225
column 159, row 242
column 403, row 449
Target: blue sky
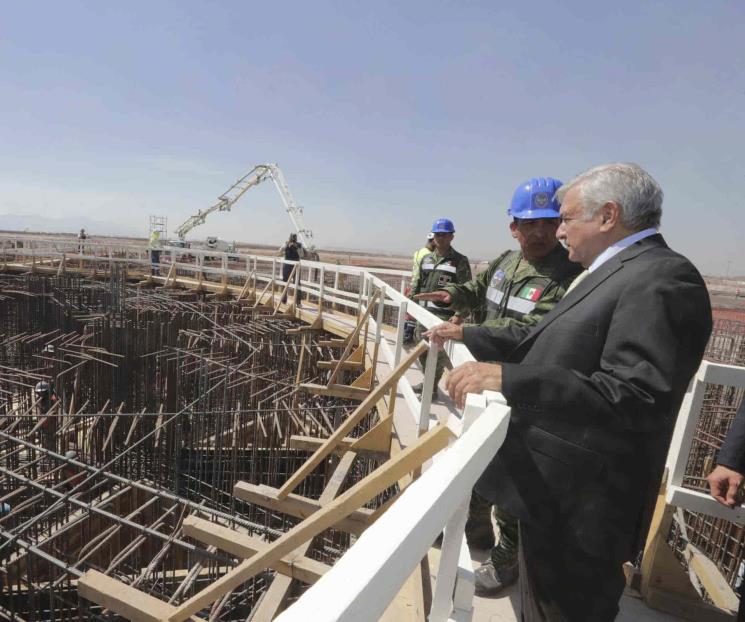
column 383, row 116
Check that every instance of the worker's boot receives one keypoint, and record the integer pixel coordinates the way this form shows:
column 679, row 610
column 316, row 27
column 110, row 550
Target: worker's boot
column 501, row 570
column 479, row 530
column 409, row 328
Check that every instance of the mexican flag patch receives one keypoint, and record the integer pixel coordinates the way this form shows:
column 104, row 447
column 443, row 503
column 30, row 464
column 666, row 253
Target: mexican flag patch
column 530, row 293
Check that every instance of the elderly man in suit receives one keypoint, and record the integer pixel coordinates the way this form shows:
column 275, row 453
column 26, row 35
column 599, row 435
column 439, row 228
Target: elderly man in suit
column 594, row 390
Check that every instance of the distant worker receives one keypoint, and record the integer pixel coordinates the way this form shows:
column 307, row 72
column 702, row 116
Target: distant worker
column 437, row 269
column 419, row 255
column 410, row 322
column 292, row 250
column 154, row 247
column 82, row 236
column 517, row 289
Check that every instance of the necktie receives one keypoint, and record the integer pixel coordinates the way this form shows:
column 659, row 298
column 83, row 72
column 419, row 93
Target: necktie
column 580, row 277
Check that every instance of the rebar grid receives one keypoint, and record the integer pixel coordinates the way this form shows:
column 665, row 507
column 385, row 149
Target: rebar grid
column 124, row 409
column 720, row 540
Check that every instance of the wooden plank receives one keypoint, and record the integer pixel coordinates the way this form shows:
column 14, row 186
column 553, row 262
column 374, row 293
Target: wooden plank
column 377, row 438
column 364, row 380
column 336, row 390
column 716, row 586
column 317, row 324
column 345, row 365
column 244, row 546
column 299, row 506
column 122, row 599
column 311, row 443
column 355, row 334
column 686, row 608
column 278, row 591
column 353, row 361
column 348, row 425
column 375, row 483
column 334, row 343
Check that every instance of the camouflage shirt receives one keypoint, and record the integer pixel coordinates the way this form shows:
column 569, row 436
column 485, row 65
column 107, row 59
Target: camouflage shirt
column 436, row 272
column 514, row 291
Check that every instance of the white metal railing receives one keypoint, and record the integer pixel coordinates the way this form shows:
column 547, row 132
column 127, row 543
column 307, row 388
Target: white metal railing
column 680, row 446
column 362, row 583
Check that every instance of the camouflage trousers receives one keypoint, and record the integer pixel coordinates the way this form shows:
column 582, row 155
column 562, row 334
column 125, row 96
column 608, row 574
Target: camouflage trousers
column 479, row 528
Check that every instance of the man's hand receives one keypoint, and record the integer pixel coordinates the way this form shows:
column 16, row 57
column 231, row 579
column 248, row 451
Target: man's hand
column 440, row 296
column 473, row 378
column 725, row 485
column 439, row 334
column 457, row 320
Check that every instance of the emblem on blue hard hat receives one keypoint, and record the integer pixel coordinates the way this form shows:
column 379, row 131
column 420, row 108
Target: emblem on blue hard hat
column 541, row 199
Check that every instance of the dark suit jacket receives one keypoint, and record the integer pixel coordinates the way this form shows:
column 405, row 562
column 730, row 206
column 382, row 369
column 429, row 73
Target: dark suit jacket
column 732, row 453
column 595, row 388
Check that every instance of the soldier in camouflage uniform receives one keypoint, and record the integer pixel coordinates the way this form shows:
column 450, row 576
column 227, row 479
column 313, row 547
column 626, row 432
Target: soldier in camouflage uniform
column 442, row 267
column 519, row 287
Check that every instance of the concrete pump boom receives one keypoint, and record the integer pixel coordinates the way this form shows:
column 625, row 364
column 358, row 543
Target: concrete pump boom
column 254, row 177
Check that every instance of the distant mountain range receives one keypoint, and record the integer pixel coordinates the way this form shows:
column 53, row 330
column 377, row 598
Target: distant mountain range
column 35, row 222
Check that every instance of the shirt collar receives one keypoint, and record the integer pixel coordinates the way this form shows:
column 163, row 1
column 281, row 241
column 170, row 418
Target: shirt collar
column 617, row 247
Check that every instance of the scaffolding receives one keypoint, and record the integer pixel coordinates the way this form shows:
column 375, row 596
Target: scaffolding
column 159, row 224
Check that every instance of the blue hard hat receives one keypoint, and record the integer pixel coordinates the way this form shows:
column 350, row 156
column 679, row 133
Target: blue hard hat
column 443, row 225
column 536, row 198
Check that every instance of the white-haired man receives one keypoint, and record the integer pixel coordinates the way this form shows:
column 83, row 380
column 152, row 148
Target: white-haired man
column 594, row 390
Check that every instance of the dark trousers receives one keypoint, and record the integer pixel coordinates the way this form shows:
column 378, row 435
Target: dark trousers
column 154, row 261
column 286, row 272
column 559, row 582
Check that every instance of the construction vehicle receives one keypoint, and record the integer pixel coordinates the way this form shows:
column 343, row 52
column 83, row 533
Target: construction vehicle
column 254, row 177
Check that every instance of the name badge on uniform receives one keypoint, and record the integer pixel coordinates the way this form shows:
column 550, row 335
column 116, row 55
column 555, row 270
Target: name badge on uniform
column 447, row 267
column 494, row 295
column 428, row 265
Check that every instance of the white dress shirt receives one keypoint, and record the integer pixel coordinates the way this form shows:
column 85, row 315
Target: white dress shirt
column 616, row 248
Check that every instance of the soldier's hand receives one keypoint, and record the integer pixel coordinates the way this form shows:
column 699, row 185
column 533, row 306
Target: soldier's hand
column 440, row 296
column 473, row 378
column 726, row 486
column 439, row 334
column 457, row 320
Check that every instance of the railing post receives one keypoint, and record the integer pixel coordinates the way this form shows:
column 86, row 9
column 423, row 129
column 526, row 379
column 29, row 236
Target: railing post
column 297, row 279
column 453, row 539
column 334, row 305
column 399, row 333
column 321, row 288
column 427, row 386
column 274, row 276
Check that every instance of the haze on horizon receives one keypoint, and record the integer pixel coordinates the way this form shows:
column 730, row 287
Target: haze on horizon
column 382, row 116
